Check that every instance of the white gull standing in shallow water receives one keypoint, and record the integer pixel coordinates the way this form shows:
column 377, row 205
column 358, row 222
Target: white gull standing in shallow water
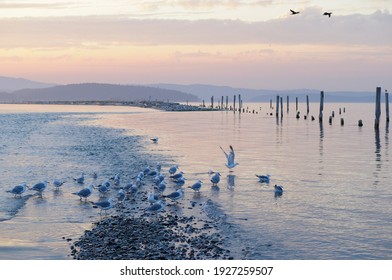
column 39, row 187
column 230, row 158
column 18, row 190
column 84, row 193
column 215, row 178
column 173, row 169
column 80, row 180
column 104, row 205
column 196, row 186
column 57, row 183
column 176, row 195
column 278, row 190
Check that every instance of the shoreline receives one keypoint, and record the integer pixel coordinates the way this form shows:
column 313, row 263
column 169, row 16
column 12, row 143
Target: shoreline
column 158, row 105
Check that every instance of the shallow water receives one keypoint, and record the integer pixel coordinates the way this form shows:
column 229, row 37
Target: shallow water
column 337, row 200
column 337, row 194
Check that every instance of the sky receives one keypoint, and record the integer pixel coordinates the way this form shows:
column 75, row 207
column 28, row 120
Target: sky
column 239, row 43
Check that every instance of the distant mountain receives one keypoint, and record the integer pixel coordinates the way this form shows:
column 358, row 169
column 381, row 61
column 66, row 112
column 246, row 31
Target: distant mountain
column 101, row 92
column 8, row 84
column 262, row 95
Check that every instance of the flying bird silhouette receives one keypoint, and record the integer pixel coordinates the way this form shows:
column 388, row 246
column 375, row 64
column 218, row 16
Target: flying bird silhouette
column 293, row 12
column 327, row 14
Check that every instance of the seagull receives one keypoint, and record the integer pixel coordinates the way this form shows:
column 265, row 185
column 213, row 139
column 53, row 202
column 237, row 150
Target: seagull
column 80, row 180
column 58, row 183
column 162, row 186
column 158, row 167
column 84, row 193
column 196, row 186
column 156, row 207
column 180, row 182
column 140, row 175
column 177, row 176
column 263, row 178
column 116, row 179
column 104, row 205
column 120, row 196
column 230, row 158
column 293, row 12
column 103, row 189
column 138, row 182
column 278, row 190
column 39, row 187
column 215, row 178
column 327, row 14
column 154, row 139
column 153, row 198
column 18, row 190
column 173, row 169
column 176, row 195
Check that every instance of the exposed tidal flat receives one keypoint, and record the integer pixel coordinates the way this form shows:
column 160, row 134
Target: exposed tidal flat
column 336, row 202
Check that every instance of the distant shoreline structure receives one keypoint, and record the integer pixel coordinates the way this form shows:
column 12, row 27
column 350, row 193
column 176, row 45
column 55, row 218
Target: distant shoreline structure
column 158, row 105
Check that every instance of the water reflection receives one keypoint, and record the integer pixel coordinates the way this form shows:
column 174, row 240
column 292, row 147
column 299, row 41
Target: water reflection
column 321, row 147
column 378, row 156
column 230, row 181
column 387, row 141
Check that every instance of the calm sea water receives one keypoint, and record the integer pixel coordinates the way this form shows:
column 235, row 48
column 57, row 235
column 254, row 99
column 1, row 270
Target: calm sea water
column 337, row 200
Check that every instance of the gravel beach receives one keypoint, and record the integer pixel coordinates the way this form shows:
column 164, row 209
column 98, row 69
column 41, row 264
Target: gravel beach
column 126, row 235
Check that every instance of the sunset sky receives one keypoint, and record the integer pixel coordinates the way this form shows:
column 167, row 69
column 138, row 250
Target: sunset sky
column 248, row 43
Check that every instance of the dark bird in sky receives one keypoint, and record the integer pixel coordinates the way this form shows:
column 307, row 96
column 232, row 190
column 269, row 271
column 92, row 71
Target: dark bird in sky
column 327, row 14
column 293, row 12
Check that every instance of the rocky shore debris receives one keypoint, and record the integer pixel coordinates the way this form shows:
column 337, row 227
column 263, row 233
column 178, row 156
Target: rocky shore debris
column 146, row 237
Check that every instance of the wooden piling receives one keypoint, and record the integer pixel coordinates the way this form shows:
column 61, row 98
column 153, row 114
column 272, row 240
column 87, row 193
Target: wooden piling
column 307, row 104
column 378, row 108
column 234, row 103
column 281, row 107
column 270, row 103
column 288, row 103
column 321, row 106
column 296, row 104
column 277, row 106
column 387, row 105
column 212, row 102
column 204, row 104
column 227, row 102
column 341, row 121
column 222, row 103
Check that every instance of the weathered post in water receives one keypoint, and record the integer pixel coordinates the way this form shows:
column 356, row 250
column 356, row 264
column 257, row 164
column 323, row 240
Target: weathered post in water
column 378, row 108
column 222, row 103
column 387, row 105
column 212, row 102
column 281, row 107
column 307, row 104
column 321, row 106
column 204, row 104
column 277, row 106
column 296, row 104
column 234, row 103
column 270, row 103
column 239, row 102
column 227, row 102
column 287, row 103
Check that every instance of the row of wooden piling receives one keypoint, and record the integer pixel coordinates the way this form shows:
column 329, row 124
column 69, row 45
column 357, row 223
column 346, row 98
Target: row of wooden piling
column 279, row 107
